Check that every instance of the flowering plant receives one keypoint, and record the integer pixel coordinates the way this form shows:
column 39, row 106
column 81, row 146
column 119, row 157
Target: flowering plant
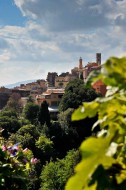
column 15, row 166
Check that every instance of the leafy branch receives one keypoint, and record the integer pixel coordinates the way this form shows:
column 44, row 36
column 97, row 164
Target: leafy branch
column 103, row 164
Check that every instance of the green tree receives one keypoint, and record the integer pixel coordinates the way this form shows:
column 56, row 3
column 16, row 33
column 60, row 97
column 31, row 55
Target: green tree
column 45, row 144
column 30, row 99
column 44, row 116
column 26, row 135
column 68, row 136
column 14, row 103
column 64, row 118
column 103, row 164
column 44, row 148
column 9, row 124
column 55, row 174
column 76, row 93
column 31, row 111
column 8, row 113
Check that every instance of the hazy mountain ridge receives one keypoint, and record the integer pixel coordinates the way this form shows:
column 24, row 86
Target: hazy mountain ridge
column 18, row 83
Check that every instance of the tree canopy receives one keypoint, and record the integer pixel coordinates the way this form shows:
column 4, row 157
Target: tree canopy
column 44, row 116
column 31, row 112
column 14, row 103
column 55, row 174
column 76, row 93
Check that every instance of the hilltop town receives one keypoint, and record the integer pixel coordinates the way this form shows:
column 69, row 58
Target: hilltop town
column 52, row 89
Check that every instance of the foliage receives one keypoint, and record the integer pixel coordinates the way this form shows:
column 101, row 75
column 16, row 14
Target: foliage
column 30, row 99
column 26, row 135
column 8, row 113
column 45, row 144
column 103, row 164
column 15, row 166
column 68, row 138
column 31, row 112
column 32, row 137
column 55, row 174
column 14, row 103
column 74, row 132
column 9, row 124
column 23, row 121
column 11, row 175
column 31, row 129
column 26, row 140
column 64, row 119
column 76, row 93
column 44, row 116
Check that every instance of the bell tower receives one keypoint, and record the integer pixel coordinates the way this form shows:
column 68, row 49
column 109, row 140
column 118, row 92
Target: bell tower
column 98, row 58
column 80, row 63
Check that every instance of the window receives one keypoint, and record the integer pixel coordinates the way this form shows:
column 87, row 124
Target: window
column 54, row 103
column 60, row 96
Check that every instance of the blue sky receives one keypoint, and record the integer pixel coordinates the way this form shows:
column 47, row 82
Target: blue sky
column 10, row 14
column 41, row 36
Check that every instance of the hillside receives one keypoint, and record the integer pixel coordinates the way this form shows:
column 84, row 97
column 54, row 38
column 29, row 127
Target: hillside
column 18, row 83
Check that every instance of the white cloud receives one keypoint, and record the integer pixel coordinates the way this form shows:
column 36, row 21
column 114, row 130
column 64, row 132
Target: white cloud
column 5, row 56
column 58, row 33
column 72, row 15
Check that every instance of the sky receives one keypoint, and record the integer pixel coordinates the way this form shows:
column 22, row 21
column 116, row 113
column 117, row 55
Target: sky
column 41, row 36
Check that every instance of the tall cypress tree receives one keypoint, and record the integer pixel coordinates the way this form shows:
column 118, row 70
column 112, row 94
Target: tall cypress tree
column 44, row 116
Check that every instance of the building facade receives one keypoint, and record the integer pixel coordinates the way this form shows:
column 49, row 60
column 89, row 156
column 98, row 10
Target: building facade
column 52, row 97
column 51, row 79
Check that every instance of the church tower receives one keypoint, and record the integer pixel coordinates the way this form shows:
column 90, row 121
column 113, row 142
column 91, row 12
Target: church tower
column 80, row 63
column 80, row 69
column 98, row 58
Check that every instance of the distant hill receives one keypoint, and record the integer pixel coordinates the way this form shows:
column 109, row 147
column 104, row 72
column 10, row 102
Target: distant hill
column 18, row 83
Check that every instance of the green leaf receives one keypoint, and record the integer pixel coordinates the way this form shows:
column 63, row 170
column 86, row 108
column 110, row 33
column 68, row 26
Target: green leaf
column 87, row 110
column 93, row 154
column 6, row 165
column 28, row 166
column 98, row 169
column 116, row 72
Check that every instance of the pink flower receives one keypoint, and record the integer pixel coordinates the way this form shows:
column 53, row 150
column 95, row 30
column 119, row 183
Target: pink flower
column 4, row 148
column 25, row 150
column 34, row 160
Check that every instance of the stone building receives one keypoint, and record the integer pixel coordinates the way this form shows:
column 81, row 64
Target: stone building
column 51, row 79
column 52, row 96
column 92, row 66
column 4, row 96
column 62, row 81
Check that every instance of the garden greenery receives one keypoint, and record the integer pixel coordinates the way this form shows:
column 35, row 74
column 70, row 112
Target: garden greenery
column 16, row 165
column 103, row 163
